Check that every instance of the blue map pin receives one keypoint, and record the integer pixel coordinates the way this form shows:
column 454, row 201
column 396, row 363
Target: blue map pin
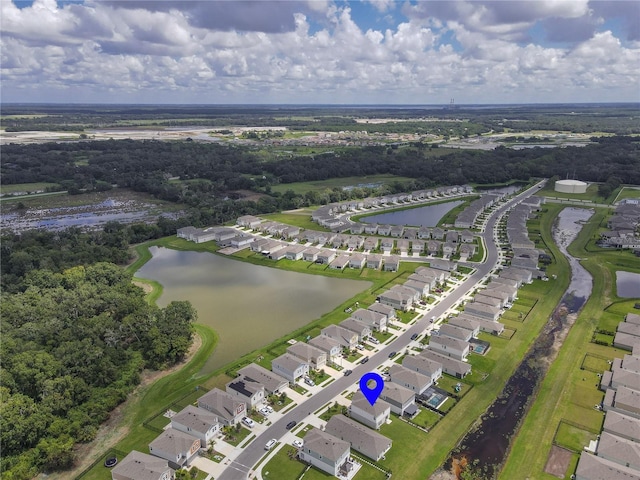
column 371, row 394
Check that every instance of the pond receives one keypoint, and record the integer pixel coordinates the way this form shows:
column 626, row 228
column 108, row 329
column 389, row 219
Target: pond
column 427, row 216
column 628, row 284
column 247, row 305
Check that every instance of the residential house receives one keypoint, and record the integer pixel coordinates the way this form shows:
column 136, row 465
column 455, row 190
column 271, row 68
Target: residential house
column 502, row 288
column 445, row 265
column 325, row 452
column 384, row 230
column 357, row 261
column 437, row 233
column 397, row 300
column 339, row 263
column 623, row 400
column 622, row 425
column 619, row 450
column 434, row 247
column 593, row 467
column 309, row 354
column 346, row 338
column 310, row 254
column 423, row 365
column 373, row 416
column 329, row 346
column 357, row 228
column 326, row 257
column 452, row 236
column 488, row 300
column 370, row 243
column 195, row 421
column 632, row 318
column 450, row 366
column 467, row 250
column 375, row 320
column 371, row 228
column 386, row 244
column 374, row 261
column 452, row 331
column 137, row 465
column 421, row 288
column 362, row 439
column 466, row 236
column 418, row 246
column 399, row 398
column 228, row 409
column 386, row 310
column 482, row 310
column 396, row 231
column 449, row 249
column 485, row 324
column 246, row 390
column 424, row 233
column 355, row 242
column 289, row 367
column 403, row 246
column 414, row 381
column 502, row 296
column 177, row 447
column 361, row 328
column 439, row 275
column 273, row 384
column 500, row 280
column 467, row 324
column 450, row 347
column 391, row 264
column 415, row 295
column 294, row 252
column 431, row 282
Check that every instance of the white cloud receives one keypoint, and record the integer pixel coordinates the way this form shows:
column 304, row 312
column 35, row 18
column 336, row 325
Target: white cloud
column 160, row 54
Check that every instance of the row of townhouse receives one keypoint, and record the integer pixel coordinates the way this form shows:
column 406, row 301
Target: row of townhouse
column 624, row 226
column 616, row 455
column 327, row 215
column 517, row 234
column 469, row 216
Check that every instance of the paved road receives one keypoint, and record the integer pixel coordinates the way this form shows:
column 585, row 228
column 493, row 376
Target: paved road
column 240, row 468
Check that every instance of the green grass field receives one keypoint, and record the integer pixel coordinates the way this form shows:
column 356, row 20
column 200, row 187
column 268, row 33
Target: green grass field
column 26, row 187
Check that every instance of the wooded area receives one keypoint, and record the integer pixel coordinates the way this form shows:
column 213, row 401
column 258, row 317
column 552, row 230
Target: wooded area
column 73, row 346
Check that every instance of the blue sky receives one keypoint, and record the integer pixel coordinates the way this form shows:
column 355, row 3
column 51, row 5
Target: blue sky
column 320, row 51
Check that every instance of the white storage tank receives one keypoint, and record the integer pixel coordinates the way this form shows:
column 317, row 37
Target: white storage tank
column 571, row 186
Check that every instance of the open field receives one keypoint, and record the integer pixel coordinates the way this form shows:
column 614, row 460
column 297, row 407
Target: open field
column 628, row 192
column 322, row 185
column 26, row 188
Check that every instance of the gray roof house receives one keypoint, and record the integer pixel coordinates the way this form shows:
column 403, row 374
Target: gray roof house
column 487, row 300
column 494, row 293
column 397, row 300
column 619, row 450
column 329, row 346
column 486, row 325
column 421, row 288
column 451, row 347
column 324, row 451
column 339, row 263
column 398, row 397
column 197, row 422
column 346, row 338
column 622, row 425
column 502, row 288
column 375, row 320
column 391, row 264
column 357, row 260
column 228, row 409
column 326, row 256
column 246, row 390
column 441, row 264
column 373, row 416
column 142, row 466
column 374, row 261
column 289, row 367
column 177, row 447
column 450, row 366
column 423, row 365
column 623, row 400
column 358, row 326
column 632, row 318
column 467, row 324
column 362, row 439
column 310, row 254
column 430, row 281
column 592, row 467
column 482, row 310
column 414, row 381
column 309, row 354
column 386, row 310
column 273, row 383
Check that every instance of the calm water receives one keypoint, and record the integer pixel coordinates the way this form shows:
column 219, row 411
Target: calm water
column 247, row 305
column 427, row 216
column 628, row 284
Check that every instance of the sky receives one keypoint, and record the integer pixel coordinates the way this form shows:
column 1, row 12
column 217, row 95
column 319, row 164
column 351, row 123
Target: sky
column 320, row 51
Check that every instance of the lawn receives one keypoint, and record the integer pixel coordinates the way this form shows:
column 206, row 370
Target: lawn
column 426, row 418
column 26, row 188
column 573, row 437
column 283, row 466
column 322, row 185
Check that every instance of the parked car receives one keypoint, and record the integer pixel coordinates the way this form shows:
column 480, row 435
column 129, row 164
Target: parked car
column 364, row 360
column 360, row 346
column 291, row 424
column 298, row 443
column 270, row 444
column 248, row 422
column 309, row 382
column 264, row 411
column 392, row 354
column 414, row 336
column 347, row 373
column 374, row 340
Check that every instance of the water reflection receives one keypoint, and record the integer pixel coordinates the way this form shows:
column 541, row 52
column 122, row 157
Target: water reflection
column 247, row 305
column 427, row 216
column 628, row 284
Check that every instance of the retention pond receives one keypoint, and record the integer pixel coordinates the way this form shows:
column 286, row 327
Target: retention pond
column 483, row 450
column 247, row 305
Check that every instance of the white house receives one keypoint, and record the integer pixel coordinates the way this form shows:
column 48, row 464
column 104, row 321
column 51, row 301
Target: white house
column 326, row 452
column 197, row 422
column 309, row 354
column 414, row 381
column 345, row 337
column 362, row 439
column 423, row 365
column 177, row 447
column 137, row 465
column 328, row 345
column 228, row 409
column 373, row 416
column 289, row 367
column 450, row 347
column 246, row 390
column 398, row 397
column 376, row 320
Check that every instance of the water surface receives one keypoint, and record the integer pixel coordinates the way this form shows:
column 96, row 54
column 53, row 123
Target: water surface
column 628, row 284
column 427, row 216
column 247, row 305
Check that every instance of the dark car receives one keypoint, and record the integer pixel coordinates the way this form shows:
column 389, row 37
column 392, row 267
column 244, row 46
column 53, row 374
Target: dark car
column 364, row 360
column 291, row 424
column 347, row 373
column 392, row 354
column 414, row 336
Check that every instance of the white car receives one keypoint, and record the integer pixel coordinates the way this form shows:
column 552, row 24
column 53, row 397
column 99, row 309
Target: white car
column 264, row 411
column 297, row 443
column 248, row 422
column 269, row 445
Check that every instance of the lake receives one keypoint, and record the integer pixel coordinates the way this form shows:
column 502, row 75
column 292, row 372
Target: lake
column 628, row 284
column 247, row 305
column 427, row 216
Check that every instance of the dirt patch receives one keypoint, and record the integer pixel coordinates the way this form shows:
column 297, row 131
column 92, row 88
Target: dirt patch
column 249, row 195
column 558, row 461
column 117, row 426
column 144, row 286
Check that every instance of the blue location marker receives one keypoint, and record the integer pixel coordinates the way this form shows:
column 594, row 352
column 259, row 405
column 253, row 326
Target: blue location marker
column 371, row 394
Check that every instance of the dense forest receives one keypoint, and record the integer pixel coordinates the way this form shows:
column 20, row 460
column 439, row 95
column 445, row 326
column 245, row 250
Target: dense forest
column 73, row 346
